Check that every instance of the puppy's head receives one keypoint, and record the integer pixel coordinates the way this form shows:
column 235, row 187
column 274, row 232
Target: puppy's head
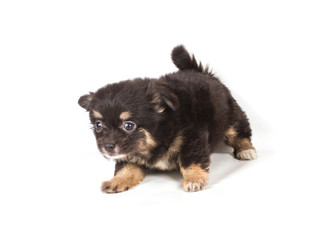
column 126, row 116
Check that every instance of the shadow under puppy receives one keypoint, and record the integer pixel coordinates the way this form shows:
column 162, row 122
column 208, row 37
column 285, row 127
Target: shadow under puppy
column 173, row 122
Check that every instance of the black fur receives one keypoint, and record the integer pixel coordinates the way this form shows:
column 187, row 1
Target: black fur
column 191, row 103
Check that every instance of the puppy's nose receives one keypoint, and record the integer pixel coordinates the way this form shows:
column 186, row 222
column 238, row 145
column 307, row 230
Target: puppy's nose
column 109, row 147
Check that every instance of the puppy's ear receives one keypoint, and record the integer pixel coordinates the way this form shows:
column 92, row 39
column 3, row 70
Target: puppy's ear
column 85, row 101
column 169, row 99
column 161, row 98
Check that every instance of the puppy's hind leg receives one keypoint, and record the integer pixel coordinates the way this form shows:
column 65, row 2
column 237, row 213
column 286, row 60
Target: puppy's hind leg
column 243, row 148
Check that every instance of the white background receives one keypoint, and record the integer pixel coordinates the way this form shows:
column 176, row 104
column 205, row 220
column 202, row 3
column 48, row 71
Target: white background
column 52, row 52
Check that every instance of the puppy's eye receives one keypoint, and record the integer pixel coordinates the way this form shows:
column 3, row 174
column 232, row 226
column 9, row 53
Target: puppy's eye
column 129, row 126
column 98, row 125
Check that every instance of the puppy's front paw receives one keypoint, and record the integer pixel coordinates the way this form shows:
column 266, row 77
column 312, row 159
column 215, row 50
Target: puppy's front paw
column 195, row 178
column 248, row 154
column 193, row 185
column 115, row 185
column 125, row 178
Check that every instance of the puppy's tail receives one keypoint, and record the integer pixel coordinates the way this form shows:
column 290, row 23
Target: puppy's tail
column 183, row 61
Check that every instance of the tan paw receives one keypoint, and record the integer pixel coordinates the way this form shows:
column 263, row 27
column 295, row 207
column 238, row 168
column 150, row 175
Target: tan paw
column 115, row 185
column 125, row 178
column 193, row 185
column 248, row 154
column 195, row 178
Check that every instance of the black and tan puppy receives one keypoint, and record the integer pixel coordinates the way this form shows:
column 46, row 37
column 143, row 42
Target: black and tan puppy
column 173, row 122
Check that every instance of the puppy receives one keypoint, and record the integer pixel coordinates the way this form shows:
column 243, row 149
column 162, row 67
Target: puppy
column 173, row 122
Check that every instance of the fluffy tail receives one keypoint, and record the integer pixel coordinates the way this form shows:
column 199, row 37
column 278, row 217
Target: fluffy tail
column 184, row 61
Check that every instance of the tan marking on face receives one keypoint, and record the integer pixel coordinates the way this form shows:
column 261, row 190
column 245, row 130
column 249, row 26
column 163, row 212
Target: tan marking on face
column 127, row 177
column 125, row 116
column 195, row 178
column 97, row 114
column 166, row 162
column 144, row 147
column 148, row 141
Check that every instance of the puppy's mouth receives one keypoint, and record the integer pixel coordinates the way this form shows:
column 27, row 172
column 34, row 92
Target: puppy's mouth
column 112, row 153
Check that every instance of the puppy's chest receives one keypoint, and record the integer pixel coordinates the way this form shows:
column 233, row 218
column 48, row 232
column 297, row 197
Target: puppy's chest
column 171, row 158
column 166, row 161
